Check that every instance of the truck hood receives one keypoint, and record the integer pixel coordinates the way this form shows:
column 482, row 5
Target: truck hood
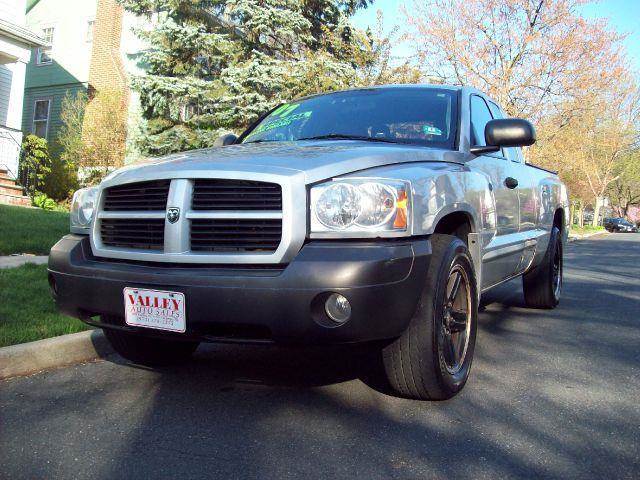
column 314, row 160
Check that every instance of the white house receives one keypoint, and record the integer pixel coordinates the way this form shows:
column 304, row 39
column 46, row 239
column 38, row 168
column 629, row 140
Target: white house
column 16, row 43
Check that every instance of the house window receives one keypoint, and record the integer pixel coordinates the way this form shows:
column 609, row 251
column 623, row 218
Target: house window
column 44, row 53
column 90, row 27
column 41, row 117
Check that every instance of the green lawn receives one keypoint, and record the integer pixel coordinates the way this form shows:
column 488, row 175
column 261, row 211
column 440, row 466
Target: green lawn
column 30, row 230
column 586, row 229
column 27, row 311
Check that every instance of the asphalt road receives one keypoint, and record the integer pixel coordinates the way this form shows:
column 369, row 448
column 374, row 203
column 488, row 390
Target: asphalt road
column 551, row 394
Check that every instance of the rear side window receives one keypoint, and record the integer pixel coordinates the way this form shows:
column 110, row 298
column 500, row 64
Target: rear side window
column 480, row 116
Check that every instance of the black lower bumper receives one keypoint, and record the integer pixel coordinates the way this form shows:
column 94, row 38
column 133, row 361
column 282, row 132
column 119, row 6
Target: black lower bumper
column 383, row 282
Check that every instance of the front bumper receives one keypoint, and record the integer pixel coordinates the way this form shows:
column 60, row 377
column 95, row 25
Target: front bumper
column 382, row 280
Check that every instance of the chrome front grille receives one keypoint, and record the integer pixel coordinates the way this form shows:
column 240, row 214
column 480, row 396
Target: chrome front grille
column 142, row 196
column 199, row 221
column 221, row 194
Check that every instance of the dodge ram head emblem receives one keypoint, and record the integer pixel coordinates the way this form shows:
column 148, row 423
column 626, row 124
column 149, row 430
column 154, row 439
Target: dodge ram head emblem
column 173, row 214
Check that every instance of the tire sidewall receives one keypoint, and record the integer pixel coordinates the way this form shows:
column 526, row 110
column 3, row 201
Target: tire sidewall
column 555, row 243
column 456, row 253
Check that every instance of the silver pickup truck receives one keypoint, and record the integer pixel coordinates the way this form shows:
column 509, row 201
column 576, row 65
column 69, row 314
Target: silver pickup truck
column 373, row 215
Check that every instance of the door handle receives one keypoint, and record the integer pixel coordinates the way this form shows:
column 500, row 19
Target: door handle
column 510, row 182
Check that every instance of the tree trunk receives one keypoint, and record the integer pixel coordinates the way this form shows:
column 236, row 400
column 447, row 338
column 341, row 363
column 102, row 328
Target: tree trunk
column 581, row 215
column 624, row 210
column 572, row 213
column 596, row 211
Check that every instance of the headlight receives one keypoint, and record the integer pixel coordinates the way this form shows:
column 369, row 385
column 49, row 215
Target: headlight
column 82, row 209
column 360, row 208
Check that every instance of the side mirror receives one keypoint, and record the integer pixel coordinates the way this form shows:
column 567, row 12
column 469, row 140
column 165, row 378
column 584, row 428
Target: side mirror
column 510, row 132
column 224, row 140
column 506, row 132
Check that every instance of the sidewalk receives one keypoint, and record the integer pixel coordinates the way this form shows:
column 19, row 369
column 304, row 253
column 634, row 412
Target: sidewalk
column 573, row 237
column 12, row 261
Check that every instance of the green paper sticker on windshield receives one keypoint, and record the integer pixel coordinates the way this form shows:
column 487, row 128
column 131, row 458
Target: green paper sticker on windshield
column 279, row 121
column 284, row 110
column 429, row 130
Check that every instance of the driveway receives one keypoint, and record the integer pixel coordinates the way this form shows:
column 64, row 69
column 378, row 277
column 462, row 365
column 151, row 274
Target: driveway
column 552, row 394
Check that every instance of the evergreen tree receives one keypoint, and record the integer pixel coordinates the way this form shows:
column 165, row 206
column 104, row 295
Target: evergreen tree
column 216, row 65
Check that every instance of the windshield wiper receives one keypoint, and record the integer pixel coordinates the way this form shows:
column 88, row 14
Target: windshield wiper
column 261, row 140
column 340, row 136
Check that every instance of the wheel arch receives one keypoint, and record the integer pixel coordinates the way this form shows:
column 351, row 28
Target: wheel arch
column 458, row 223
column 558, row 219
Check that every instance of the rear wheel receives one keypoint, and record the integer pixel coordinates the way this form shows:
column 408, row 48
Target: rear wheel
column 542, row 285
column 149, row 351
column 432, row 358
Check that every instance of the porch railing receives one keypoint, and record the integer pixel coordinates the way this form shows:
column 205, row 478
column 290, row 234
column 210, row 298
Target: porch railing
column 10, row 149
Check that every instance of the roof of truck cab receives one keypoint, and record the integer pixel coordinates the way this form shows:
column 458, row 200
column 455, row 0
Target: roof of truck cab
column 417, row 86
column 407, row 85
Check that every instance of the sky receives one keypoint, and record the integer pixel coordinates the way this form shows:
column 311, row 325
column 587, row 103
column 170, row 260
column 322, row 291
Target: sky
column 623, row 15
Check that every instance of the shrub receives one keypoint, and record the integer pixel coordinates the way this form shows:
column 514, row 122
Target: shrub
column 104, row 131
column 42, row 172
column 93, row 134
column 43, row 201
column 35, row 164
column 62, row 181
column 70, row 135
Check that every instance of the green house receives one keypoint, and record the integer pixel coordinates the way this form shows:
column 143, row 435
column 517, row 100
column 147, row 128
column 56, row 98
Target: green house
column 58, row 70
column 92, row 47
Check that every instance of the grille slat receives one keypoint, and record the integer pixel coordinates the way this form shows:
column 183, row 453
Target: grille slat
column 221, row 194
column 263, row 228
column 142, row 196
column 212, row 235
column 137, row 192
column 144, row 234
column 136, row 197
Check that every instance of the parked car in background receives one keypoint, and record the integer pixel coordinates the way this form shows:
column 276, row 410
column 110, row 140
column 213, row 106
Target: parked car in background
column 374, row 215
column 587, row 217
column 619, row 225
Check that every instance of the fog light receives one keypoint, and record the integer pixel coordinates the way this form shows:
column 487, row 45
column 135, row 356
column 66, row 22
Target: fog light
column 338, row 308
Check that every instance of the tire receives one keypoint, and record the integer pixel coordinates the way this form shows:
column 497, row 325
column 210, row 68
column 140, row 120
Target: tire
column 419, row 364
column 543, row 284
column 153, row 352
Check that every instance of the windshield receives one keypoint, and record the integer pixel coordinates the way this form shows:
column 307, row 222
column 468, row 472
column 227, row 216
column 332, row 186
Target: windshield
column 422, row 116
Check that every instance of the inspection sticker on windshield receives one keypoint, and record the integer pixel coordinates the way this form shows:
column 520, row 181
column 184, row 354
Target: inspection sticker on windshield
column 429, row 130
column 155, row 309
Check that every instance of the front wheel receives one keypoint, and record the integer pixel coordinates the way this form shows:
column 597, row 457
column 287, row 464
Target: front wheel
column 149, row 351
column 432, row 358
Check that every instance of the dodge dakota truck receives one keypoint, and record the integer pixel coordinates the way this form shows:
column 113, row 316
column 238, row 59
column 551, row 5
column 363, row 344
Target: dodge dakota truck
column 375, row 215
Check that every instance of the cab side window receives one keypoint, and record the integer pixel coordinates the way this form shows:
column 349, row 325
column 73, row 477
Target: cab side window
column 514, row 154
column 480, row 116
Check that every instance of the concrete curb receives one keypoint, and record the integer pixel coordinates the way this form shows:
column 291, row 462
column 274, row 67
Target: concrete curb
column 32, row 357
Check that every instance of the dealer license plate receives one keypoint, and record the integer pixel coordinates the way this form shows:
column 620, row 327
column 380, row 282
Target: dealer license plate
column 155, row 309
